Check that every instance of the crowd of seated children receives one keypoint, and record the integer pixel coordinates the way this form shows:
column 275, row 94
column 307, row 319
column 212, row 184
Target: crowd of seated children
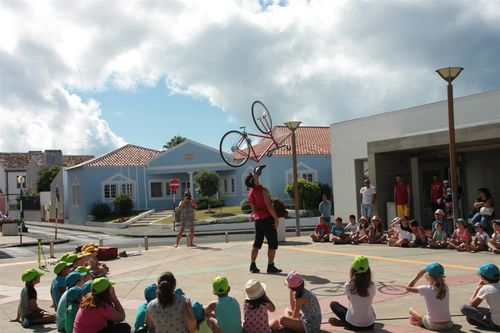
column 400, row 233
column 376, row 232
column 494, row 243
column 461, row 237
column 361, row 234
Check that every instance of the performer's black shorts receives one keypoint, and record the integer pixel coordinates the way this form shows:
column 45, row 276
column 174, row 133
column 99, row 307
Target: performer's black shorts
column 265, row 228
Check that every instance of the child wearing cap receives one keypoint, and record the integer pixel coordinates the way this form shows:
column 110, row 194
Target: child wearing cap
column 439, row 239
column 376, row 232
column 360, row 291
column 140, row 317
column 321, row 232
column 487, row 289
column 255, row 308
column 461, row 238
column 101, row 311
column 494, row 243
column 304, row 314
column 204, row 324
column 28, row 311
column 72, row 279
column 402, row 234
column 58, row 285
column 361, row 234
column 225, row 309
column 338, row 232
column 74, row 297
column 437, row 299
column 481, row 239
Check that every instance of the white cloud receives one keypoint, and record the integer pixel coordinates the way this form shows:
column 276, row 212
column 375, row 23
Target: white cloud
column 318, row 61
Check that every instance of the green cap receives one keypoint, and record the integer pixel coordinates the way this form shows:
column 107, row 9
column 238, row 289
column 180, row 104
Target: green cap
column 64, row 257
column 30, row 274
column 71, row 258
column 101, row 284
column 220, row 285
column 360, row 264
column 58, row 268
column 82, row 269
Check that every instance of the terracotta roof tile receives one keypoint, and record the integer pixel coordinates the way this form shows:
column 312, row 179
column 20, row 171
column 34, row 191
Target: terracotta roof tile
column 128, row 155
column 310, row 140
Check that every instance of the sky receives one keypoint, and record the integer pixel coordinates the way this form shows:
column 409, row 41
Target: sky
column 90, row 76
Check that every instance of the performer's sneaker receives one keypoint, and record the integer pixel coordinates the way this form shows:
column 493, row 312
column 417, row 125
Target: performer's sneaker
column 253, row 268
column 273, row 269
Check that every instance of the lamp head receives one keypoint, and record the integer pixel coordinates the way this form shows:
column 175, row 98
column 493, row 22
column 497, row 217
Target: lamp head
column 449, row 73
column 293, row 124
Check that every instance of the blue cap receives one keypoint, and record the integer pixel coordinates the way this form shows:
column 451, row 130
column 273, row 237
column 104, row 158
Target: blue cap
column 150, row 291
column 73, row 277
column 74, row 294
column 179, row 291
column 87, row 287
column 489, row 271
column 198, row 310
column 435, row 269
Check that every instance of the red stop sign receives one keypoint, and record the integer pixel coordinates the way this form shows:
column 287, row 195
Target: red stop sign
column 174, row 184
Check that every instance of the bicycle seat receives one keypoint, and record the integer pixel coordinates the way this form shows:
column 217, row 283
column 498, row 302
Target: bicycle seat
column 258, row 169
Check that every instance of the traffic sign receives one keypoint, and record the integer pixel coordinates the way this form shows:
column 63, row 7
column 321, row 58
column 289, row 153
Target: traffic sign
column 174, row 184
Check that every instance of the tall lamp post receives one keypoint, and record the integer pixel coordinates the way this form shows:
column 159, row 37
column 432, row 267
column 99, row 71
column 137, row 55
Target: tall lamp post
column 449, row 74
column 20, row 182
column 292, row 126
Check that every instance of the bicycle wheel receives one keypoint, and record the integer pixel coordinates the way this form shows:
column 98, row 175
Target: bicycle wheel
column 262, row 117
column 234, row 148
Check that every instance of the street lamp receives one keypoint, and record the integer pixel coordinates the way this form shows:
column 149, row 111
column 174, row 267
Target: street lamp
column 20, row 182
column 449, row 74
column 292, row 126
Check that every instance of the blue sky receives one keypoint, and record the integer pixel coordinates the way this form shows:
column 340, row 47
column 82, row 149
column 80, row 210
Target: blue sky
column 91, row 76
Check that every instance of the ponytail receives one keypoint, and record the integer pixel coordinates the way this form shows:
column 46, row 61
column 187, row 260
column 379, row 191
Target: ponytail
column 166, row 287
column 440, row 287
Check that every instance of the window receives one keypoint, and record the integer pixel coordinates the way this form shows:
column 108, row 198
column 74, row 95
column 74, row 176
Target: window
column 307, row 176
column 185, row 186
column 156, row 190
column 109, row 191
column 227, row 185
column 128, row 189
column 75, row 191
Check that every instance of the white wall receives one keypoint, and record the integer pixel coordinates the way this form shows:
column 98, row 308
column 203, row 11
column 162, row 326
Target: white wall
column 350, row 138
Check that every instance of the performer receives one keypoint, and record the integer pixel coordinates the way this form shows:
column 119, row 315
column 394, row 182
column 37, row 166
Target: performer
column 266, row 221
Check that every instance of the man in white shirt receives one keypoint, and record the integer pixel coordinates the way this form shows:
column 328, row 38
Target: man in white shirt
column 367, row 195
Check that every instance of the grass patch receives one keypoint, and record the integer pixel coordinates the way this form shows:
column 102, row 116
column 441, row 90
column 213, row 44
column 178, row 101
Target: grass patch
column 204, row 214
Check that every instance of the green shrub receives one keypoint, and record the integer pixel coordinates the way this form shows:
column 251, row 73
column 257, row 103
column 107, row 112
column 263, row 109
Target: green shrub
column 203, row 203
column 245, row 206
column 124, row 205
column 100, row 210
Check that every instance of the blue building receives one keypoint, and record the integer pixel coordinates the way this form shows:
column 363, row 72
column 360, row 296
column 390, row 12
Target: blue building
column 145, row 173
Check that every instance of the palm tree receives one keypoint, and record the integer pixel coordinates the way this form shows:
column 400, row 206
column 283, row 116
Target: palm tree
column 174, row 142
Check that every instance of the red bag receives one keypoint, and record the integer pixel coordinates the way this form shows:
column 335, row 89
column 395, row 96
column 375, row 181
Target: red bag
column 107, row 253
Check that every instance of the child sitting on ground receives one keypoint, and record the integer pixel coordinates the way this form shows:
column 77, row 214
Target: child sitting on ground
column 376, row 233
column 437, row 299
column 225, row 309
column 481, row 239
column 304, row 314
column 461, row 238
column 29, row 312
column 203, row 324
column 439, row 239
column 255, row 317
column 402, row 233
column 351, row 227
column 361, row 234
column 487, row 289
column 338, row 232
column 419, row 235
column 140, row 317
column 58, row 285
column 73, row 297
column 321, row 232
column 494, row 243
column 360, row 291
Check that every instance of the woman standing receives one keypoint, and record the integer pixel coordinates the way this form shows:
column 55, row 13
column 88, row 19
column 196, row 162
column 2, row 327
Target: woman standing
column 187, row 207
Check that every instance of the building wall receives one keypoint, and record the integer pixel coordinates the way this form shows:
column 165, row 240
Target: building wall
column 350, row 138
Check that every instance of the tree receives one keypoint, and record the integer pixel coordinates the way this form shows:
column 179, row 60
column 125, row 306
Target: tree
column 309, row 193
column 45, row 178
column 174, row 142
column 207, row 183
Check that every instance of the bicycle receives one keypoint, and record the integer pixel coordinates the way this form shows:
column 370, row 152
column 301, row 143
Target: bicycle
column 235, row 146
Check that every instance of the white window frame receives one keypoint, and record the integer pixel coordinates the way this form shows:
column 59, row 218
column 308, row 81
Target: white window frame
column 118, row 190
column 303, row 172
column 227, row 185
column 75, row 194
column 162, row 182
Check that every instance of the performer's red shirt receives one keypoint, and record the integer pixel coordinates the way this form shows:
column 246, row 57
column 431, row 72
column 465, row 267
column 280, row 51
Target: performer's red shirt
column 256, row 198
column 401, row 193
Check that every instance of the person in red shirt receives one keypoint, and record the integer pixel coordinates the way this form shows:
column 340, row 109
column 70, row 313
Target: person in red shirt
column 321, row 233
column 437, row 188
column 402, row 197
column 266, row 221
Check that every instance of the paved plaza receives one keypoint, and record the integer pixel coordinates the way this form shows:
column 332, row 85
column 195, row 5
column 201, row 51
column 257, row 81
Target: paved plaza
column 325, row 268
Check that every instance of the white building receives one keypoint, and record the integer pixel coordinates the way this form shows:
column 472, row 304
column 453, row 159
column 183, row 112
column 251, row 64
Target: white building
column 413, row 142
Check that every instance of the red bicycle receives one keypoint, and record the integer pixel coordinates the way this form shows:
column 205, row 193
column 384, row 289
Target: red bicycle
column 235, row 146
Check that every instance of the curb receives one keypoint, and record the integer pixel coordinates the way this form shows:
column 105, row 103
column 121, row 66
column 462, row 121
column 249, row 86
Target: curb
column 31, row 243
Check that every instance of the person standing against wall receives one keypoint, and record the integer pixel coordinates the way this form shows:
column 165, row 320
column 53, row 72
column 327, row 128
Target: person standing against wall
column 437, row 188
column 325, row 208
column 401, row 197
column 367, row 195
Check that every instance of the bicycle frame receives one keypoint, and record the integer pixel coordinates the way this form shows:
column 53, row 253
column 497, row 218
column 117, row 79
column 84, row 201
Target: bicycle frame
column 268, row 151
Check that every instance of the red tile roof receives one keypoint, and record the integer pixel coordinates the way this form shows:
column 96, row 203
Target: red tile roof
column 128, row 155
column 310, row 140
column 21, row 160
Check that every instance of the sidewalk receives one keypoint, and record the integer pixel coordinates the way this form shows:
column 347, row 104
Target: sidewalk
column 325, row 268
